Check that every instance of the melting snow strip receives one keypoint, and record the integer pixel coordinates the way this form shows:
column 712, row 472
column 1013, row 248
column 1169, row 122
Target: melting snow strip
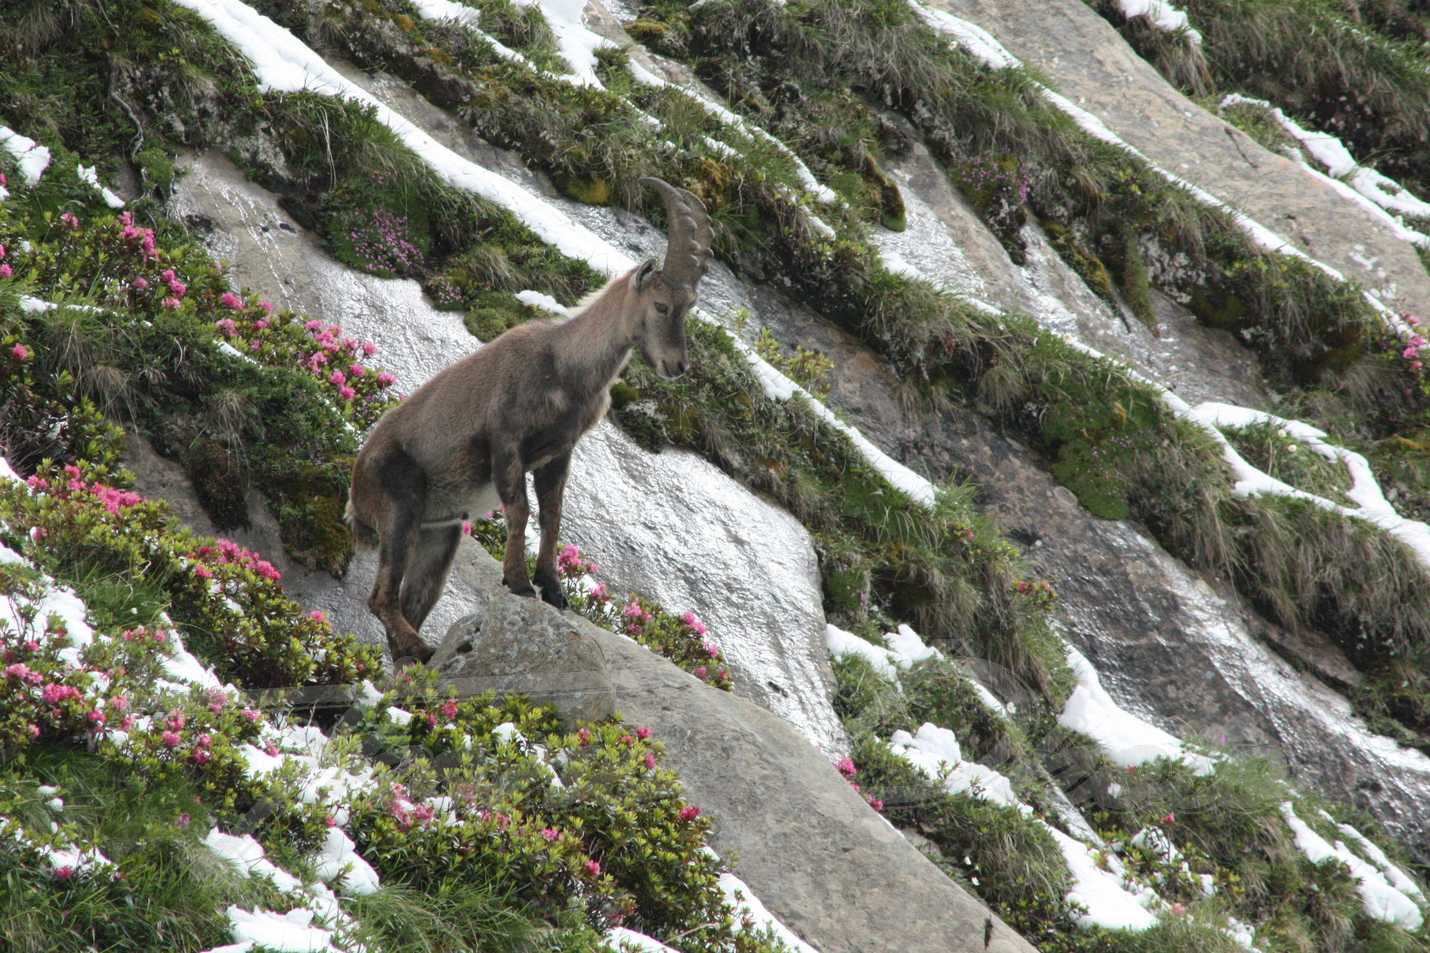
column 1380, row 899
column 1383, row 197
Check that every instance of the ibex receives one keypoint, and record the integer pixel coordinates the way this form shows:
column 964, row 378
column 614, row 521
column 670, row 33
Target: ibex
column 465, row 440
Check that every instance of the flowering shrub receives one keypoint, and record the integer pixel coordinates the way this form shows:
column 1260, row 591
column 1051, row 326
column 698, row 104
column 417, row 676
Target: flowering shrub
column 234, row 424
column 998, row 188
column 585, row 816
column 683, row 639
column 380, row 242
column 228, row 599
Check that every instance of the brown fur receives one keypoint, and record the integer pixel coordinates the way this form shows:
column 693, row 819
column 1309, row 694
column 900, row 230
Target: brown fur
column 516, row 406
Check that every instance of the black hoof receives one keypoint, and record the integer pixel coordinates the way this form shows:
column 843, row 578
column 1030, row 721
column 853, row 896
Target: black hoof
column 522, row 590
column 553, row 596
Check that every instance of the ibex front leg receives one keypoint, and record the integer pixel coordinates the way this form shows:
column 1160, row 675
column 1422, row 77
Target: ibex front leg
column 510, row 478
column 550, row 487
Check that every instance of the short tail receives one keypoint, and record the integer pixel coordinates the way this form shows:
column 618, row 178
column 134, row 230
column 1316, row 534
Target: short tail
column 363, row 533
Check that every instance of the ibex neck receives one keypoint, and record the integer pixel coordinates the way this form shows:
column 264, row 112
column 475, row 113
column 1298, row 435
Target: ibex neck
column 597, row 342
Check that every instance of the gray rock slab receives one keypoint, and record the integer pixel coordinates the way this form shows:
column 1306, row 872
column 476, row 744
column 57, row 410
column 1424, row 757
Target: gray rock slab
column 1088, row 62
column 814, row 853
column 517, row 644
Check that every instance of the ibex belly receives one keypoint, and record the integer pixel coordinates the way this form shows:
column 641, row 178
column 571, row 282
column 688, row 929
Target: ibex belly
column 450, row 506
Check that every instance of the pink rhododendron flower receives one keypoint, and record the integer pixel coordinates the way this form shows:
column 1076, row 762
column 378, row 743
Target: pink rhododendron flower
column 182, row 821
column 201, row 756
column 550, row 833
column 20, row 352
column 141, row 283
column 650, row 761
column 34, row 730
column 701, row 672
column 689, row 813
column 593, row 868
column 249, row 715
column 202, row 571
column 846, row 767
column 171, row 304
column 66, row 872
column 6, row 271
column 356, row 370
column 317, row 615
column 584, row 736
column 449, row 709
column 346, row 393
column 384, row 379
column 226, row 327
column 69, row 221
column 337, row 377
column 642, row 733
column 231, row 301
column 170, row 739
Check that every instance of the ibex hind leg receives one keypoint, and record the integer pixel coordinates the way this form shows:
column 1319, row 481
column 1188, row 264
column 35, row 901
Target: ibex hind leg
column 427, row 573
column 404, row 492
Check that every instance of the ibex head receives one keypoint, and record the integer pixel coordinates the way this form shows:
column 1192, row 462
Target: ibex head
column 664, row 293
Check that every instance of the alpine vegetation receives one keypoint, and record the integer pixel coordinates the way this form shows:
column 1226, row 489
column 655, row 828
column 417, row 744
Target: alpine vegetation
column 1024, row 547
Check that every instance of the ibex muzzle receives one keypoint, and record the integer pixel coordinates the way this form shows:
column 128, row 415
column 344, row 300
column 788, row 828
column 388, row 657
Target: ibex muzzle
column 465, row 440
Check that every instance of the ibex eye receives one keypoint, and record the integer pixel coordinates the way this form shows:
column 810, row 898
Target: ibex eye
column 662, row 308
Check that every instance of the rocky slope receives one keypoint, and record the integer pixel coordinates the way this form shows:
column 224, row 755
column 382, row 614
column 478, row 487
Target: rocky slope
column 1273, row 631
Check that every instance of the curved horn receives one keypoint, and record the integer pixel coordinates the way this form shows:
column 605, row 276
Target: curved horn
column 689, row 234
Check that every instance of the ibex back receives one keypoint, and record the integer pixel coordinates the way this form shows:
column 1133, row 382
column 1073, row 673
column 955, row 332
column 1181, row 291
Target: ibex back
column 466, row 439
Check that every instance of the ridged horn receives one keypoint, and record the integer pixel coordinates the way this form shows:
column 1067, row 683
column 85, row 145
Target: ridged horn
column 687, row 249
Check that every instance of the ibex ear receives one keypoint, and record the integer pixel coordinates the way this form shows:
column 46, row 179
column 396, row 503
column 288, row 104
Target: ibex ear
column 647, row 271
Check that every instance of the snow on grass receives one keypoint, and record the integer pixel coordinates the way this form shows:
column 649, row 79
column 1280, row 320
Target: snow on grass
column 975, row 40
column 90, row 177
column 447, row 10
column 1396, row 877
column 823, row 193
column 1380, row 899
column 1109, row 903
column 578, row 44
column 935, row 752
column 1126, row 739
column 1381, row 196
column 626, row 940
column 841, row 643
column 752, row 915
column 32, row 157
column 245, row 855
column 284, row 63
column 1164, row 16
column 291, row 932
column 1371, row 504
column 339, row 860
column 778, row 387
